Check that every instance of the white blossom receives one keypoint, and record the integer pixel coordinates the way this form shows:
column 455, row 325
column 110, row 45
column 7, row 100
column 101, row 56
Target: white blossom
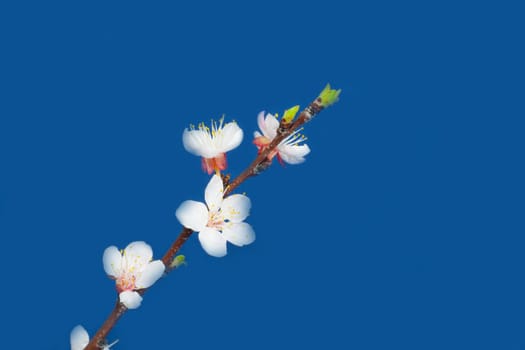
column 289, row 150
column 219, row 220
column 212, row 144
column 132, row 269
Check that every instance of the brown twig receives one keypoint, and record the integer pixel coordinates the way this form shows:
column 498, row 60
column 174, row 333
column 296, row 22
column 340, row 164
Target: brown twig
column 259, row 164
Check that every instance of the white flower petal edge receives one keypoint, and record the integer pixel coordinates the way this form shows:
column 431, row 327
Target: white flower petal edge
column 236, row 207
column 199, row 143
column 239, row 234
column 151, row 274
column 268, row 125
column 79, row 338
column 112, row 260
column 231, row 137
column 138, row 253
column 213, row 242
column 130, row 299
column 193, row 215
column 293, row 154
column 213, row 193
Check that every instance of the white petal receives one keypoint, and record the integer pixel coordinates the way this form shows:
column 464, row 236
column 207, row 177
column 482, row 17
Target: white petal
column 271, row 124
column 267, row 125
column 239, row 234
column 151, row 274
column 112, row 260
column 213, row 242
column 236, row 207
column 137, row 255
column 193, row 215
column 130, row 299
column 191, row 141
column 199, row 143
column 79, row 338
column 293, row 154
column 261, row 123
column 230, row 137
column 213, row 193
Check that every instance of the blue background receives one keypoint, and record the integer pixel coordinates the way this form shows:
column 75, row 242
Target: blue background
column 403, row 230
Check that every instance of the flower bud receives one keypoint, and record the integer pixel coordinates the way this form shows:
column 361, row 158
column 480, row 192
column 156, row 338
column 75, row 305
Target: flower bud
column 328, row 96
column 178, row 261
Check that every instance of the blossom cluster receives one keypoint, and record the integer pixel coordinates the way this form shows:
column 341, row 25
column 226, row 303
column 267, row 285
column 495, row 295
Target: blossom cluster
column 218, row 220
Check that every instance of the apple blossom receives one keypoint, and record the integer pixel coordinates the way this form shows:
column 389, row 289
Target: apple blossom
column 219, row 220
column 132, row 269
column 289, row 150
column 213, row 144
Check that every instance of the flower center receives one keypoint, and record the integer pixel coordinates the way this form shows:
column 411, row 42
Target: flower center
column 215, row 220
column 126, row 282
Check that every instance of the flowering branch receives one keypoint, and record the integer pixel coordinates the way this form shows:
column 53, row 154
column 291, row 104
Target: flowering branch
column 279, row 139
column 286, row 128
